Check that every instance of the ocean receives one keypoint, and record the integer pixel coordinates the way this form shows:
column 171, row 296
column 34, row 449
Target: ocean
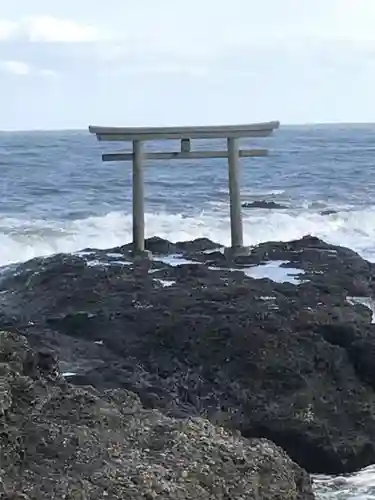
column 57, row 196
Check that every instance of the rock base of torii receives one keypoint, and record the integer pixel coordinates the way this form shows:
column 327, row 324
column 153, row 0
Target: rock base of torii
column 290, row 362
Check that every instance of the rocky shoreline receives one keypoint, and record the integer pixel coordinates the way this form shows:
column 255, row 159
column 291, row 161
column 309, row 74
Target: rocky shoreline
column 194, row 335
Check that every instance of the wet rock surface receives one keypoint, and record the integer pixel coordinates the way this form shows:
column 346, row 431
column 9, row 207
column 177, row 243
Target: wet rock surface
column 58, row 442
column 194, row 334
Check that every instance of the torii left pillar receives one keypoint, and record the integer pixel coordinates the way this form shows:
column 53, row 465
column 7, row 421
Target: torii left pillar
column 138, row 201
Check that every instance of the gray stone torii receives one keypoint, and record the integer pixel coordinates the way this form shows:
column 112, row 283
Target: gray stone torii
column 139, row 135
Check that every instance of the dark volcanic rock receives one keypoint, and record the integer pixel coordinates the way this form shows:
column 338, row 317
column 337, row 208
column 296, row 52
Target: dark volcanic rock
column 263, row 204
column 199, row 244
column 159, row 246
column 290, row 362
column 64, row 442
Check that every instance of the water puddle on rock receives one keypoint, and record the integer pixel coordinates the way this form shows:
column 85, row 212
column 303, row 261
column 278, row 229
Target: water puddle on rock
column 165, row 283
column 68, row 374
column 174, row 260
column 273, row 271
column 214, row 250
column 108, row 260
column 101, row 263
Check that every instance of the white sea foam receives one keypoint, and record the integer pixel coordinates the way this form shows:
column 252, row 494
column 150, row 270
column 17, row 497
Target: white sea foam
column 246, row 191
column 23, row 240
column 364, row 301
column 359, row 486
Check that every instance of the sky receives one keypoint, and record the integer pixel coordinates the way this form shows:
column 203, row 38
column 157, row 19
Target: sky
column 68, row 64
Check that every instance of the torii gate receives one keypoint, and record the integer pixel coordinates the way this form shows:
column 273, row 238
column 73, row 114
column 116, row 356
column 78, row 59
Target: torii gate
column 139, row 135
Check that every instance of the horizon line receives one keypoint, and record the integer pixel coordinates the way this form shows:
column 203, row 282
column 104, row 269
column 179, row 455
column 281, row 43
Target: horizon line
column 285, row 125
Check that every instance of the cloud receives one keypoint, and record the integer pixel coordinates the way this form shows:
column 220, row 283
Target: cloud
column 203, row 27
column 201, row 32
column 18, row 68
column 48, row 73
column 163, row 68
column 6, row 29
column 22, row 69
column 47, row 29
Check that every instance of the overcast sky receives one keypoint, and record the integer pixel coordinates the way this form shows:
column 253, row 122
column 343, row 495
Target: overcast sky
column 67, row 64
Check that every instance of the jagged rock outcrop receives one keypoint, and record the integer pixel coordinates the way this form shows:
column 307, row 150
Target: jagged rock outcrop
column 63, row 442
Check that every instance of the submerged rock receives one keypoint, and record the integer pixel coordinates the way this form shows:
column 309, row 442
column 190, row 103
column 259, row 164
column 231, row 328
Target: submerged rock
column 328, row 212
column 288, row 359
column 263, row 204
column 58, row 441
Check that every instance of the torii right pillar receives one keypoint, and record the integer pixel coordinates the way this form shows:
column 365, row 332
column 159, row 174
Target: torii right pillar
column 235, row 197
